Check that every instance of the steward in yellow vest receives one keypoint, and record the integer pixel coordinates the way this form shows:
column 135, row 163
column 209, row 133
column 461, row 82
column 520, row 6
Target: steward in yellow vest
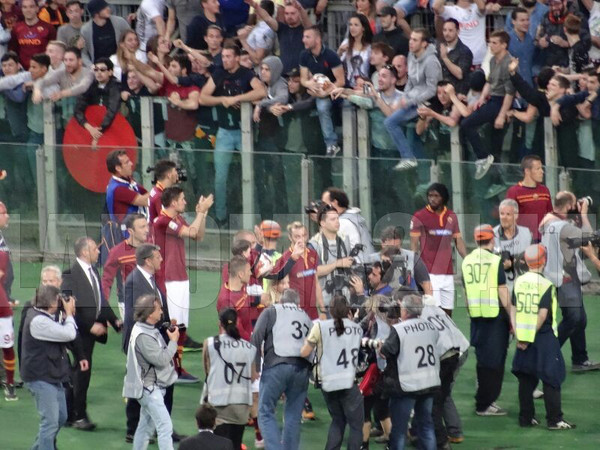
column 538, row 355
column 489, row 308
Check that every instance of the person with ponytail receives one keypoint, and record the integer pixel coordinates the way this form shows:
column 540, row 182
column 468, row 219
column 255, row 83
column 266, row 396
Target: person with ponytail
column 229, row 368
column 337, row 341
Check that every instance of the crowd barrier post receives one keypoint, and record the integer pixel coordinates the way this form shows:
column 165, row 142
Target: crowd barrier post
column 564, row 180
column 247, row 155
column 348, row 151
column 48, row 188
column 456, row 168
column 147, row 150
column 550, row 157
column 364, row 150
column 306, row 180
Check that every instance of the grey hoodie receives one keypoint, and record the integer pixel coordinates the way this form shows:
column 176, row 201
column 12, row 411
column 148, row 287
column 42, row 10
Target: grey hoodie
column 424, row 73
column 277, row 90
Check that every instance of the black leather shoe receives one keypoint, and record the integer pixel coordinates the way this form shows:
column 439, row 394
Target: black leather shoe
column 129, row 439
column 191, row 345
column 177, row 437
column 84, row 425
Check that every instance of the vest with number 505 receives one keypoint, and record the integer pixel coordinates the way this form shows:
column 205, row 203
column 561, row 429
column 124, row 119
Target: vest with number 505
column 529, row 290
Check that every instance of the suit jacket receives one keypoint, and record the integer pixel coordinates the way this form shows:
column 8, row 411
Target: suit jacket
column 76, row 283
column 137, row 285
column 206, row 440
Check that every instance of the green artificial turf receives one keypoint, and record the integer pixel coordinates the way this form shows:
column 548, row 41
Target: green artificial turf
column 19, row 420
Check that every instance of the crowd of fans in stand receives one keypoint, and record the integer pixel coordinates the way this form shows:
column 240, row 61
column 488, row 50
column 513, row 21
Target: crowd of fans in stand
column 200, row 54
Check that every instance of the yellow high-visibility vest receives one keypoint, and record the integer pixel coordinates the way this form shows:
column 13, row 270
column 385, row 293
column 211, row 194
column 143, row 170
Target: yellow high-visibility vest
column 480, row 276
column 529, row 290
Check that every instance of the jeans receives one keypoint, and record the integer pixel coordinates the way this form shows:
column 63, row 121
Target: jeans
column 153, row 414
column 52, row 407
column 227, row 142
column 345, row 407
column 486, row 114
column 324, row 106
column 400, row 408
column 274, row 381
column 572, row 326
column 394, row 124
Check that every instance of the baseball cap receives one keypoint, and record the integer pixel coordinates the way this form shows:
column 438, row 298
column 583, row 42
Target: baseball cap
column 535, row 256
column 295, row 72
column 270, row 229
column 483, row 232
column 95, row 6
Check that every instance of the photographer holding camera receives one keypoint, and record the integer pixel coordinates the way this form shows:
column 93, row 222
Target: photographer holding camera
column 334, row 254
column 45, row 365
column 567, row 272
column 510, row 241
column 150, row 370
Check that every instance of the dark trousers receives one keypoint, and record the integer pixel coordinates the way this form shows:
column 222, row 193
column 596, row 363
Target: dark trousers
column 77, row 397
column 572, row 326
column 489, row 385
column 233, row 432
column 345, row 408
column 132, row 409
column 527, row 384
column 448, row 368
column 486, row 114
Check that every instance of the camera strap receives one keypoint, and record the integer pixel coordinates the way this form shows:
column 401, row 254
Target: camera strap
column 217, row 345
column 341, row 247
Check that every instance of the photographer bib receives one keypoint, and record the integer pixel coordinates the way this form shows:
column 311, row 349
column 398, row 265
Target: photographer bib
column 229, row 378
column 419, row 359
column 340, row 355
column 292, row 326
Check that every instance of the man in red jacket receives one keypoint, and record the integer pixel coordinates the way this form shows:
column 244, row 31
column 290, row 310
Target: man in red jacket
column 31, row 36
column 122, row 256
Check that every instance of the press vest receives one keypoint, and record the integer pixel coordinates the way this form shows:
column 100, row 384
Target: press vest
column 529, row 290
column 337, row 366
column 133, row 385
column 554, row 270
column 42, row 360
column 292, row 326
column 229, row 378
column 419, row 357
column 451, row 338
column 383, row 331
column 480, row 275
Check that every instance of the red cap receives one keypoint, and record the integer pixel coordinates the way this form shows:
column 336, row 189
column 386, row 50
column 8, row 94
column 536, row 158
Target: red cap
column 483, row 232
column 270, row 229
column 535, row 256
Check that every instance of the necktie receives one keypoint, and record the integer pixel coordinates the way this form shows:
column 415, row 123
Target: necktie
column 156, row 291
column 95, row 288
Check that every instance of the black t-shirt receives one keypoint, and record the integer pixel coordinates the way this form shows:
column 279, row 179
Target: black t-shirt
column 290, row 45
column 323, row 63
column 394, row 39
column 105, row 43
column 229, row 85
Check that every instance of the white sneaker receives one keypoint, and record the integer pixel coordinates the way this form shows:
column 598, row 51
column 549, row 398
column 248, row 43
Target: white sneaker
column 538, row 394
column 482, row 166
column 259, row 444
column 492, row 410
column 333, row 150
column 562, row 425
column 405, row 164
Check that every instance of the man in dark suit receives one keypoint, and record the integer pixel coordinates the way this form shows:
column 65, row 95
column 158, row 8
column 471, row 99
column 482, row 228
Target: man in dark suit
column 140, row 282
column 92, row 316
column 206, row 416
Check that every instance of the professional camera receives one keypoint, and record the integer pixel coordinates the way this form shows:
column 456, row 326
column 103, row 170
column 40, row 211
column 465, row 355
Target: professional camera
column 313, row 207
column 585, row 239
column 518, row 266
column 371, row 343
column 391, row 310
column 181, row 174
column 169, row 326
